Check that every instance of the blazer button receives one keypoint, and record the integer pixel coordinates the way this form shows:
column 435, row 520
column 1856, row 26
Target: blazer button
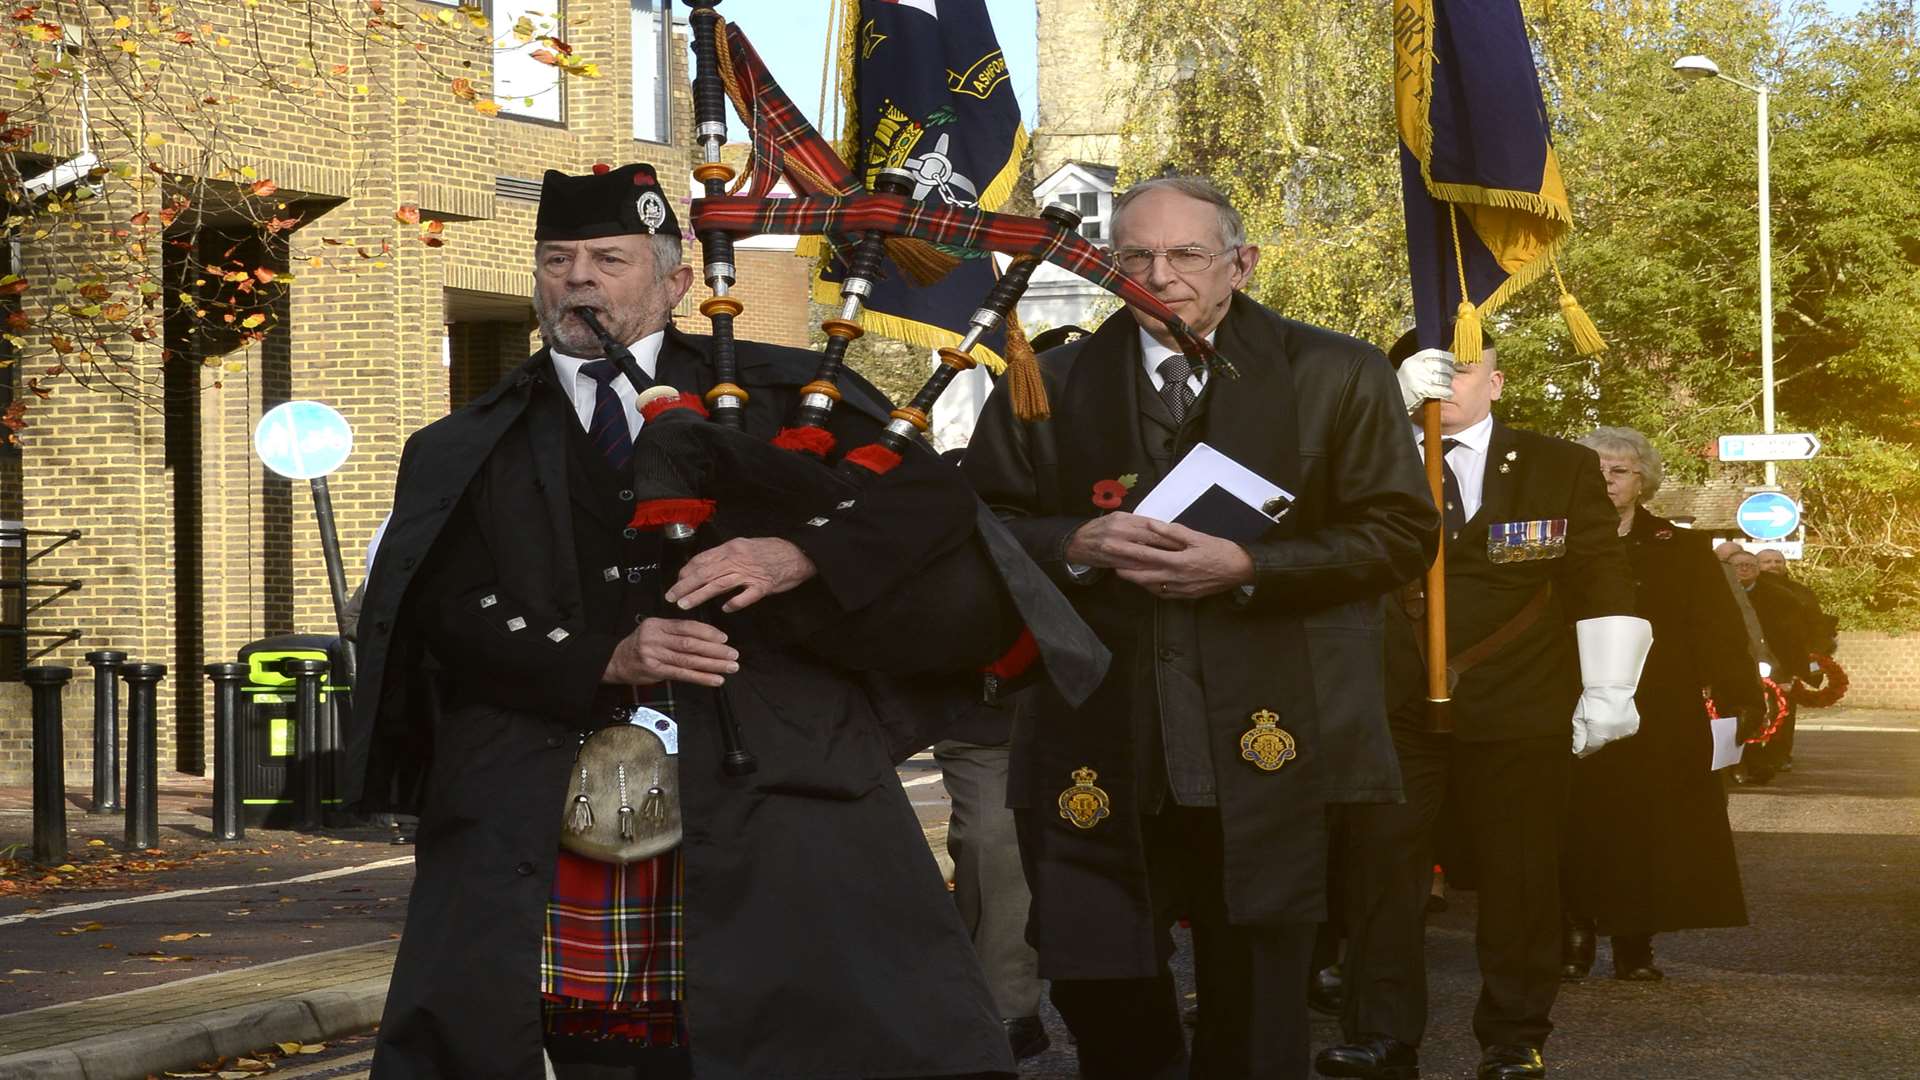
column 525, row 869
column 1169, row 654
column 445, row 502
column 627, row 495
column 553, row 741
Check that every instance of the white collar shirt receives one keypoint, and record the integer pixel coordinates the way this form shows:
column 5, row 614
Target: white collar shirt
column 1468, row 459
column 1152, row 354
column 583, row 391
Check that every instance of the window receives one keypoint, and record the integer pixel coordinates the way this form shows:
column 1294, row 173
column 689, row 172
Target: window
column 525, row 87
column 1093, row 222
column 652, row 37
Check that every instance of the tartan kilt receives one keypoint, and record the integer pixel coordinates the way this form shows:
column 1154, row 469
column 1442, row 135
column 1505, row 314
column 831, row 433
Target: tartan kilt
column 613, row 954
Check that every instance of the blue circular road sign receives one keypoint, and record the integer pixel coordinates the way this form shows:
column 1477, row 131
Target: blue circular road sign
column 1768, row 515
column 303, row 440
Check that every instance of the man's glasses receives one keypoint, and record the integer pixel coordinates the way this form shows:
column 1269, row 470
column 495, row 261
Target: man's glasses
column 1184, row 260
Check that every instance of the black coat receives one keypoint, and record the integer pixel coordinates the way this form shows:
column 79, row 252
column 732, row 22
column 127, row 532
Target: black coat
column 1319, row 415
column 1649, row 848
column 821, row 942
column 1530, row 686
column 1785, row 624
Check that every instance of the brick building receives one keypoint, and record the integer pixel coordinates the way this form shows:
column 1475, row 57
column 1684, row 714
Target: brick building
column 188, row 548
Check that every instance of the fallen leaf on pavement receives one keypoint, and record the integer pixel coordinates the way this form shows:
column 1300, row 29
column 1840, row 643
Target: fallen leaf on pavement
column 186, row 936
column 288, row 1047
column 96, row 843
column 84, row 928
column 26, row 971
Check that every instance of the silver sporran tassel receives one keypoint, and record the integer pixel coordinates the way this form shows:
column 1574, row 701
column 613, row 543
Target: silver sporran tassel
column 626, row 809
column 581, row 819
column 653, row 809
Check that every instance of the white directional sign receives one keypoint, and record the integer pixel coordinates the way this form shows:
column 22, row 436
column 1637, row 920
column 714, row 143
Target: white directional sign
column 303, row 440
column 1768, row 515
column 1781, row 446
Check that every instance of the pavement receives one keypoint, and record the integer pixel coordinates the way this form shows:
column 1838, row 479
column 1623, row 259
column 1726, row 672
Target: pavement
column 272, row 954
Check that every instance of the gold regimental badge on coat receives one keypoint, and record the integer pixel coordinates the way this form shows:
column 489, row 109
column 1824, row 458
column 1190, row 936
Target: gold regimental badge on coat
column 1083, row 804
column 1267, row 744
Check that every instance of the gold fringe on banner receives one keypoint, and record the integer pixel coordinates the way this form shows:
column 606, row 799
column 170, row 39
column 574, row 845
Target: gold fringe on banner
column 1029, row 390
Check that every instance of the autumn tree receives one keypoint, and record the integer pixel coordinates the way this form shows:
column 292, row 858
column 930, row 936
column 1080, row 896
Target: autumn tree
column 1289, row 107
column 129, row 135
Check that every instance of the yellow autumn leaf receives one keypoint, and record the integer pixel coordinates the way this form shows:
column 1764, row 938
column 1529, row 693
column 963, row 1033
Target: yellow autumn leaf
column 156, row 140
column 122, row 23
column 253, row 320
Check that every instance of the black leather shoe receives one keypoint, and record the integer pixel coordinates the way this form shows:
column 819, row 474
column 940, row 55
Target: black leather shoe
column 1026, row 1036
column 1327, row 991
column 1511, row 1063
column 1576, row 949
column 1377, row 1058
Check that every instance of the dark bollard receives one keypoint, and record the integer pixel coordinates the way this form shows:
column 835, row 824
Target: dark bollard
column 143, row 755
column 49, row 768
column 308, row 676
column 226, row 750
column 106, row 728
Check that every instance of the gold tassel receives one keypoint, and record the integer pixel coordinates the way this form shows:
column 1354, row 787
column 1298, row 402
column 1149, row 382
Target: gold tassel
column 1586, row 336
column 1466, row 319
column 1029, row 390
column 921, row 261
column 1466, row 334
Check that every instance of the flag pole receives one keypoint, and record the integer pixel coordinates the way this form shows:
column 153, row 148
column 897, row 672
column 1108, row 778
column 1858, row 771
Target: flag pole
column 1438, row 694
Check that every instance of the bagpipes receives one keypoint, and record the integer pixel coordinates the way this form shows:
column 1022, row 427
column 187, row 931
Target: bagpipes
column 689, row 473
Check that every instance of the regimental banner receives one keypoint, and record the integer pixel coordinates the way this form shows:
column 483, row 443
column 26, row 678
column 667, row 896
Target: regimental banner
column 933, row 96
column 1486, row 208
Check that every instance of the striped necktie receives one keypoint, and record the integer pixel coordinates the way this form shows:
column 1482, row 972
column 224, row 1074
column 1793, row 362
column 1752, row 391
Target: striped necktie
column 608, row 429
column 1175, row 390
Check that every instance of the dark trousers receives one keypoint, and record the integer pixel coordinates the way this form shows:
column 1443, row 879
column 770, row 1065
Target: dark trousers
column 1509, row 798
column 1252, row 979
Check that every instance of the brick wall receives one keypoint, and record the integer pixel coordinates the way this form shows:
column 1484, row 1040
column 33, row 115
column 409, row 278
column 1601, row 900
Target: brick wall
column 191, row 548
column 1883, row 670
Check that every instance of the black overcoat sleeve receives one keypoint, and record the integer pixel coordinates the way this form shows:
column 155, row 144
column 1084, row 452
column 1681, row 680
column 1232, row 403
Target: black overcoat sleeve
column 1379, row 529
column 1716, row 631
column 1595, row 577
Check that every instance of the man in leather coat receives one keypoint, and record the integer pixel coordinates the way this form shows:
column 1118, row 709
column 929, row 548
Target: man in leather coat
column 1144, row 805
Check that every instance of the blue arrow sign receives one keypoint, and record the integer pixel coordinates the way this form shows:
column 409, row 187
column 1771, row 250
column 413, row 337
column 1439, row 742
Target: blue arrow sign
column 1768, row 515
column 303, row 440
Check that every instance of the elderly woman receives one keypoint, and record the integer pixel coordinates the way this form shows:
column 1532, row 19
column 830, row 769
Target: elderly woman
column 1648, row 846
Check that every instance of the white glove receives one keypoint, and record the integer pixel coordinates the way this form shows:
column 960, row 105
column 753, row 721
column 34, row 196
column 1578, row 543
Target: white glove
column 1612, row 650
column 1426, row 374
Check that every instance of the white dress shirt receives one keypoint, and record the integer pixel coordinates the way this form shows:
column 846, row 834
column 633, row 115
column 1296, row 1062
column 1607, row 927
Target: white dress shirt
column 583, row 391
column 1469, row 462
column 1152, row 354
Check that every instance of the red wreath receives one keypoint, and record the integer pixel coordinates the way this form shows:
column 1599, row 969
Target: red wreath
column 1830, row 689
column 1775, row 700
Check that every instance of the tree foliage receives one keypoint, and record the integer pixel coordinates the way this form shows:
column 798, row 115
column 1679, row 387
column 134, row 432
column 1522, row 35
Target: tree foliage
column 1288, row 106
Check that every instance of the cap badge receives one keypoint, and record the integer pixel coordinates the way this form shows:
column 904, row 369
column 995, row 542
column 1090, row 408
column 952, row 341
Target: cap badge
column 653, row 210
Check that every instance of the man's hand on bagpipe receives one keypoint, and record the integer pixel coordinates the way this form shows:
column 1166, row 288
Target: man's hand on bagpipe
column 672, row 650
column 750, row 568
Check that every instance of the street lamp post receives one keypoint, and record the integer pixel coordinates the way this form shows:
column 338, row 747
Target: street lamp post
column 1699, row 67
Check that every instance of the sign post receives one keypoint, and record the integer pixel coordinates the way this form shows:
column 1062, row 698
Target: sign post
column 306, row 440
column 1780, row 446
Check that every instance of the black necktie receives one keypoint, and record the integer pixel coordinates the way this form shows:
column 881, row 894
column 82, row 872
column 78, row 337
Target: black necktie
column 1175, row 370
column 1455, row 510
column 608, row 428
